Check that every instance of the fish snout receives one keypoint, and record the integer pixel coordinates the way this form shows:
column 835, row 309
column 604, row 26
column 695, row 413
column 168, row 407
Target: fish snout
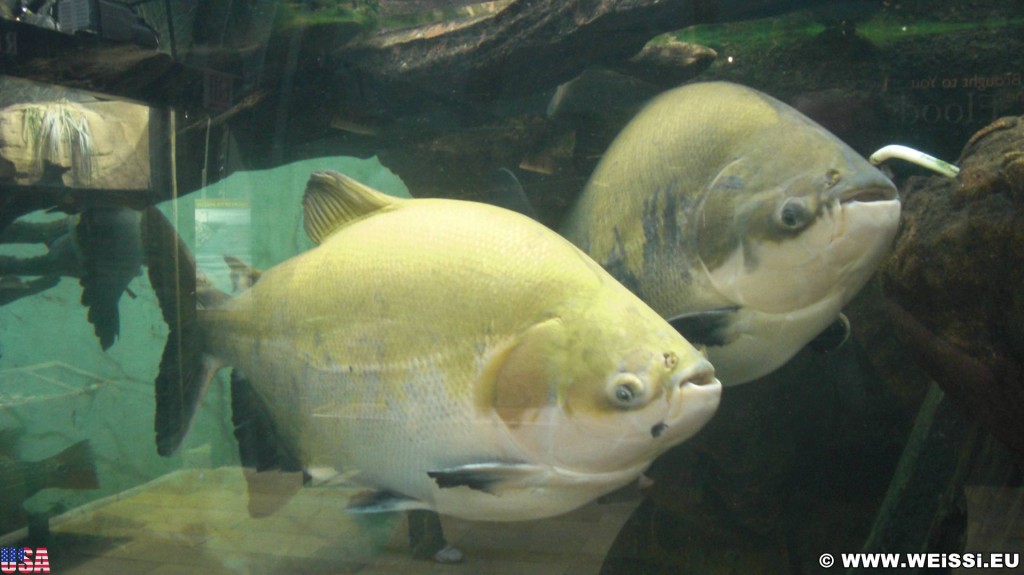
column 869, row 194
column 864, row 186
column 693, row 394
column 701, row 373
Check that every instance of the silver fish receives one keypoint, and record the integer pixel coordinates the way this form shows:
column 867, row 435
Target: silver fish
column 743, row 222
column 450, row 356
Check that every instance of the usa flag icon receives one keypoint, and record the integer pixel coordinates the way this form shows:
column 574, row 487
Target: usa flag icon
column 12, row 554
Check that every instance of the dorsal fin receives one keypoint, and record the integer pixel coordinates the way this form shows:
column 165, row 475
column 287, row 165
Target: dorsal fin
column 333, row 200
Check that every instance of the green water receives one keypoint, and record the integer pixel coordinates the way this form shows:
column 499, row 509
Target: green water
column 60, row 387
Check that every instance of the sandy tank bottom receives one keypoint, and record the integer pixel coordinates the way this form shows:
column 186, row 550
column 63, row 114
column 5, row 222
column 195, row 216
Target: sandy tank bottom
column 197, row 521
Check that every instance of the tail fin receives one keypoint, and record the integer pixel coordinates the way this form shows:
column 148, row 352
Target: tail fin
column 184, row 372
column 74, row 468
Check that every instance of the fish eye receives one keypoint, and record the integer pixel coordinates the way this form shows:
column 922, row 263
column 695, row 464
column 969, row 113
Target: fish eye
column 793, row 214
column 671, row 359
column 626, row 391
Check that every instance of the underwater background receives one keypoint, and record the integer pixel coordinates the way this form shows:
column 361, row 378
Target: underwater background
column 906, row 439
column 107, row 398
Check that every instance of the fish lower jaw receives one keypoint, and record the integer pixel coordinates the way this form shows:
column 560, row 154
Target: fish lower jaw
column 870, row 223
column 692, row 406
column 869, row 195
column 701, row 373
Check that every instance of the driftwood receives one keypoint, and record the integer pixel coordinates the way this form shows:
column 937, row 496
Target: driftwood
column 948, row 284
column 416, row 96
column 529, row 46
column 447, row 105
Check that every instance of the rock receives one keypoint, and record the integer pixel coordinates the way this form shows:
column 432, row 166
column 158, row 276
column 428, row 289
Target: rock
column 954, row 280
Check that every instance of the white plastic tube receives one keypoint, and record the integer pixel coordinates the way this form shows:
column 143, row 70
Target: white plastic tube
column 915, row 157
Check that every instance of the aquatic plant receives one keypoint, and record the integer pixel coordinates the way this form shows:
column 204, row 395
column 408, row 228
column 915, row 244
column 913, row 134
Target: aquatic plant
column 51, row 128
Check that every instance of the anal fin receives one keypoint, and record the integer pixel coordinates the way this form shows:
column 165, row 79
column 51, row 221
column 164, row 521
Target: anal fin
column 272, row 474
column 270, row 490
column 384, row 502
column 260, row 445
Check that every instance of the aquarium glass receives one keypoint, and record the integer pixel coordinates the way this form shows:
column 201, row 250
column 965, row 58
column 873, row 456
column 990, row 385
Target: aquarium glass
column 560, row 288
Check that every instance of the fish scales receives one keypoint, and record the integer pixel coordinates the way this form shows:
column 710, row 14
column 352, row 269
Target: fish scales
column 608, row 209
column 459, row 357
column 384, row 297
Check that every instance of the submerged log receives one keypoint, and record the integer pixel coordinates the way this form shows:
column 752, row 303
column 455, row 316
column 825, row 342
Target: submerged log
column 527, row 47
column 305, row 85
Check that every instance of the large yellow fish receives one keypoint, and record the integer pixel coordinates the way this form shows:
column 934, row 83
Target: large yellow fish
column 739, row 219
column 449, row 355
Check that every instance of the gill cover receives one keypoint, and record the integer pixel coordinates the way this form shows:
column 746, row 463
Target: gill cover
column 524, row 377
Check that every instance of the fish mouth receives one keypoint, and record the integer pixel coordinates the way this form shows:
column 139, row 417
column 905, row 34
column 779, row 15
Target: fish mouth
column 868, row 194
column 701, row 373
column 693, row 396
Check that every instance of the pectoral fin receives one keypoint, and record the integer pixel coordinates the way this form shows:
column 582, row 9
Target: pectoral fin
column 709, row 328
column 488, row 477
column 834, row 336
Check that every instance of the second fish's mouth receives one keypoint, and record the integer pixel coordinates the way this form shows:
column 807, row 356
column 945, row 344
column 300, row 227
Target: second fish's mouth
column 868, row 194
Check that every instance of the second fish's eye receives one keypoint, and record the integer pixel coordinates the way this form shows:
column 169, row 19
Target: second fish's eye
column 793, row 214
